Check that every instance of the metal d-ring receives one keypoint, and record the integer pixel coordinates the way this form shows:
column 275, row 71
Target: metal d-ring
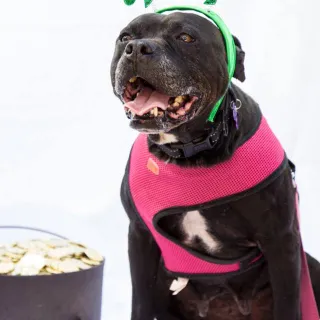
column 238, row 104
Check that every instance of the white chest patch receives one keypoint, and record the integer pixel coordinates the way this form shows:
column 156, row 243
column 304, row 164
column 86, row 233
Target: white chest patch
column 194, row 225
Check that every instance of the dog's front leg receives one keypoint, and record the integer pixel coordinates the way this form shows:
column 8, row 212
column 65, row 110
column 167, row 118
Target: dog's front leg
column 144, row 256
column 283, row 256
column 279, row 239
column 149, row 301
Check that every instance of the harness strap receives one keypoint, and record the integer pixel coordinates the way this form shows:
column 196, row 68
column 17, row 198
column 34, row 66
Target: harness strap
column 309, row 308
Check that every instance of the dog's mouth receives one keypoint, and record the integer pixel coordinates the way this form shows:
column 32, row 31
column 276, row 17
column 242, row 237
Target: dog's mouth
column 143, row 102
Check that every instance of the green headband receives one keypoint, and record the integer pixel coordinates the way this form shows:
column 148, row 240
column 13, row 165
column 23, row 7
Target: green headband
column 148, row 2
column 228, row 38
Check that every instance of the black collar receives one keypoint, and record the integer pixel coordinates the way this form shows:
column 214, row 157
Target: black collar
column 187, row 150
column 208, row 142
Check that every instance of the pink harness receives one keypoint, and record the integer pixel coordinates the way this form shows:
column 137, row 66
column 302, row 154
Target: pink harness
column 255, row 163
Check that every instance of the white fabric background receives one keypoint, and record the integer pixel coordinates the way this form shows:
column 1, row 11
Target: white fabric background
column 64, row 138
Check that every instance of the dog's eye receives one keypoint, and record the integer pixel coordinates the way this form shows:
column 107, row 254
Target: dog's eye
column 186, row 38
column 125, row 37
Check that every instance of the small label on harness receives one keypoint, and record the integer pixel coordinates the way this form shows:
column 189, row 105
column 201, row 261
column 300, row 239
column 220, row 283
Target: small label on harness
column 152, row 166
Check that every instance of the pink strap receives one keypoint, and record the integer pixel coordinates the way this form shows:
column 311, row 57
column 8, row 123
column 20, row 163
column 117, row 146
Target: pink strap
column 309, row 307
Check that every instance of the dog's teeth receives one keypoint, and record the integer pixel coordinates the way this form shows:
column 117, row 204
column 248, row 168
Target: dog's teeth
column 155, row 111
column 179, row 99
column 176, row 104
column 132, row 80
column 151, row 111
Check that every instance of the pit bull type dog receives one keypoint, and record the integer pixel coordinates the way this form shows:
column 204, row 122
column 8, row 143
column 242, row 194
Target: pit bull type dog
column 226, row 255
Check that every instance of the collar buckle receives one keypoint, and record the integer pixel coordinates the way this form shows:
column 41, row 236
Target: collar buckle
column 192, row 148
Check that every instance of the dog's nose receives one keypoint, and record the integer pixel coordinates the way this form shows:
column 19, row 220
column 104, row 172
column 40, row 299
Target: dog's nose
column 139, row 48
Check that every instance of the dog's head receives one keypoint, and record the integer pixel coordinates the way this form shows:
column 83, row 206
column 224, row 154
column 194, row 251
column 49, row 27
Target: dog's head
column 169, row 70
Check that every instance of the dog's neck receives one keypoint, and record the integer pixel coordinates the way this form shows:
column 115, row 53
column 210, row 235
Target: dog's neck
column 228, row 136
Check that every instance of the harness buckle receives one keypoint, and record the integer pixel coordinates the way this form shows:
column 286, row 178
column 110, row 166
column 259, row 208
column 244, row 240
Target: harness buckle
column 192, row 148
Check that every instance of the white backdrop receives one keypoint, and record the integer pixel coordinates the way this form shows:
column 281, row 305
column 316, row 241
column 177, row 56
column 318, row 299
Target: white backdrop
column 64, row 137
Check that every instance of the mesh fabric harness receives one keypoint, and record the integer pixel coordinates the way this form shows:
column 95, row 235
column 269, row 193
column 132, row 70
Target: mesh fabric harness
column 154, row 193
column 253, row 163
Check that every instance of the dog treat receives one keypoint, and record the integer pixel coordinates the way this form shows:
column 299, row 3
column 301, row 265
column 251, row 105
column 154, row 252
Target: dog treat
column 46, row 257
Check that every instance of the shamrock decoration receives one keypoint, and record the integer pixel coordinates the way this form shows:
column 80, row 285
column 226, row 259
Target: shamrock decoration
column 148, row 2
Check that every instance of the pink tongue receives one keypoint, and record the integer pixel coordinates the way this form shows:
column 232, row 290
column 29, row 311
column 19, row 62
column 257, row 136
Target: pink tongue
column 147, row 100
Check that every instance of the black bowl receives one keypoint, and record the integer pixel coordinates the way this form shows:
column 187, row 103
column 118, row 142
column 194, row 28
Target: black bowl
column 67, row 296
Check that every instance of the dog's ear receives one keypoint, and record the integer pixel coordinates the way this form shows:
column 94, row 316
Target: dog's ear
column 239, row 72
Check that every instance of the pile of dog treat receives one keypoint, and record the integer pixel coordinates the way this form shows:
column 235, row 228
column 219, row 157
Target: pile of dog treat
column 46, row 257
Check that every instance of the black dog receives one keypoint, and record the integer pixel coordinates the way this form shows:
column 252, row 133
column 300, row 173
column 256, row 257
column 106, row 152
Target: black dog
column 183, row 55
